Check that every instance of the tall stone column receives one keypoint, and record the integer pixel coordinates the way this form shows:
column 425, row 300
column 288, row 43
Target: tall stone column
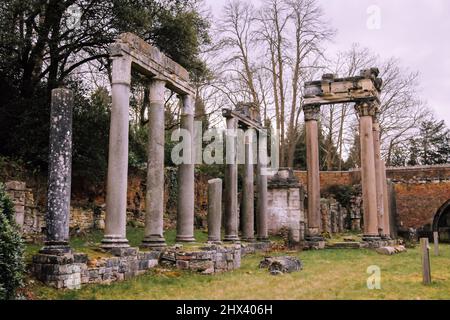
column 116, row 190
column 214, row 209
column 312, row 114
column 262, row 232
column 387, row 215
column 60, row 173
column 186, row 183
column 366, row 110
column 248, row 194
column 153, row 236
column 378, row 173
column 231, row 182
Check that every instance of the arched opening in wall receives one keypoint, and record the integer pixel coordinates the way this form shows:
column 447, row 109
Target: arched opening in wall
column 441, row 222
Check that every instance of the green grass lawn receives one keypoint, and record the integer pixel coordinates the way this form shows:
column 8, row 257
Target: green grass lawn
column 89, row 242
column 327, row 274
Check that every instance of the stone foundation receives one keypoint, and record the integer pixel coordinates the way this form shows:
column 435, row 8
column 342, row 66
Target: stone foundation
column 72, row 270
column 209, row 259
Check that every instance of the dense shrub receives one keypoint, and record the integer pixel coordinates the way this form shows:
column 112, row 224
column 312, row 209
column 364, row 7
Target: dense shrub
column 11, row 250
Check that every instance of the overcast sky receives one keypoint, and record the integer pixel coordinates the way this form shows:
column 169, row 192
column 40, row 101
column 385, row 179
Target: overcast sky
column 415, row 31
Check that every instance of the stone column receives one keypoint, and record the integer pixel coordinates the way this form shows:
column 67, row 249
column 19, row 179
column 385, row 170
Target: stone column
column 116, row 190
column 387, row 216
column 248, row 195
column 60, row 173
column 214, row 210
column 262, row 233
column 231, row 176
column 153, row 236
column 366, row 110
column 312, row 114
column 378, row 173
column 186, row 182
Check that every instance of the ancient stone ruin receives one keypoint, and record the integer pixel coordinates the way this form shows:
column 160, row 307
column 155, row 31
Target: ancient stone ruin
column 364, row 91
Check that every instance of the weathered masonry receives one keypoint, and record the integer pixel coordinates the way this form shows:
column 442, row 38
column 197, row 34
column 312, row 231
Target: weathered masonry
column 246, row 117
column 364, row 91
column 419, row 197
column 130, row 52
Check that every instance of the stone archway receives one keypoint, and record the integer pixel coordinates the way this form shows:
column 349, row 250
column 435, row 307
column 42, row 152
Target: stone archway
column 441, row 222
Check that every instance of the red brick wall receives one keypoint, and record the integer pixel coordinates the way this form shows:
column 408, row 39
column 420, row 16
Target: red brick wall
column 328, row 178
column 419, row 191
column 417, row 203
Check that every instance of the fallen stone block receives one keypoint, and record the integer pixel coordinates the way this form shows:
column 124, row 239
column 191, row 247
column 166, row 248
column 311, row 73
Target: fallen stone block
column 391, row 250
column 280, row 265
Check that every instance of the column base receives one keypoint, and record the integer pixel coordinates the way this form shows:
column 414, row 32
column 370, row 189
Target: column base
column 369, row 237
column 386, row 237
column 216, row 242
column 154, row 241
column 263, row 239
column 231, row 238
column 314, row 238
column 185, row 239
column 57, row 248
column 113, row 241
column 248, row 239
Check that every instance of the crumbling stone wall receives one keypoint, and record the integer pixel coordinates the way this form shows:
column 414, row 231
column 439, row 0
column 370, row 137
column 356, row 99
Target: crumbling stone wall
column 417, row 194
column 285, row 205
column 28, row 216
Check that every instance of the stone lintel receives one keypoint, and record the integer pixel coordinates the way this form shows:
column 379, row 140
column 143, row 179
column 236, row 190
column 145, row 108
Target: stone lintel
column 331, row 90
column 242, row 118
column 151, row 62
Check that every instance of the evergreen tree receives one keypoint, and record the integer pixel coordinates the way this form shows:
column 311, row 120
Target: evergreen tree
column 433, row 143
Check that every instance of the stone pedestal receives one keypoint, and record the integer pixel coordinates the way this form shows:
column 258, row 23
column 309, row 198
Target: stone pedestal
column 286, row 196
column 153, row 236
column 214, row 210
column 366, row 111
column 116, row 191
column 248, row 196
column 186, row 181
column 312, row 114
column 60, row 173
column 231, row 176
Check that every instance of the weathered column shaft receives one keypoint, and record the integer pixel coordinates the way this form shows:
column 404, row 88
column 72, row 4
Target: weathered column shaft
column 60, row 172
column 248, row 194
column 379, row 175
column 262, row 231
column 116, row 190
column 153, row 236
column 186, row 179
column 366, row 111
column 387, row 214
column 231, row 183
column 312, row 114
column 214, row 209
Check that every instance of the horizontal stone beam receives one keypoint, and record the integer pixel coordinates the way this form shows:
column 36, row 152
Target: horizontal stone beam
column 332, row 90
column 242, row 118
column 151, row 62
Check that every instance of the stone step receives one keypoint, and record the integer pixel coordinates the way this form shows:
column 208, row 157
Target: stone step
column 343, row 245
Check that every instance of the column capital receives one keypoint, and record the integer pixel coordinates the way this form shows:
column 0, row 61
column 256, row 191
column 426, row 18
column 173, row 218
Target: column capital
column 157, row 87
column 121, row 70
column 367, row 108
column 312, row 112
column 188, row 102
